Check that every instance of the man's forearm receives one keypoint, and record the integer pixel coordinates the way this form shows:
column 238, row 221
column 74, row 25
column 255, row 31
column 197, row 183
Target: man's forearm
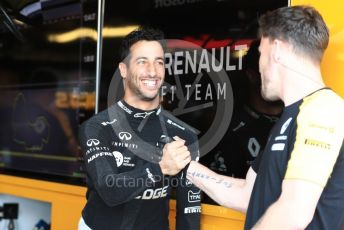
column 226, row 191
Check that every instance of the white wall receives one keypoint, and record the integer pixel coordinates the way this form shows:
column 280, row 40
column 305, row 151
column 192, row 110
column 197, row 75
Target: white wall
column 29, row 212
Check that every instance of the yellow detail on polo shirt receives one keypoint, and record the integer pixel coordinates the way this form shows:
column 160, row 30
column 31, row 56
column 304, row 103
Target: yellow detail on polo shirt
column 319, row 138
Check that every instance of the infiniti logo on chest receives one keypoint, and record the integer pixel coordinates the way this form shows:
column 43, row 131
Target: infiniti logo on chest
column 124, row 136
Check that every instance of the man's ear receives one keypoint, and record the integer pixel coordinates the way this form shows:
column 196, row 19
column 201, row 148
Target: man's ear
column 123, row 69
column 277, row 52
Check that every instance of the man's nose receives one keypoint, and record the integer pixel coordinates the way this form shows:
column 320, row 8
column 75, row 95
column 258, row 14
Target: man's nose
column 151, row 70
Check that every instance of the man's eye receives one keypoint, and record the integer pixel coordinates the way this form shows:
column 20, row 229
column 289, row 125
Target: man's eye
column 161, row 63
column 141, row 61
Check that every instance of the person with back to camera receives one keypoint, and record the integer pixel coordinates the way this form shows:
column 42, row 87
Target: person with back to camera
column 297, row 182
column 131, row 148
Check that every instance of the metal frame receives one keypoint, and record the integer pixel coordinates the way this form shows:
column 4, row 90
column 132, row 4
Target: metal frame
column 100, row 24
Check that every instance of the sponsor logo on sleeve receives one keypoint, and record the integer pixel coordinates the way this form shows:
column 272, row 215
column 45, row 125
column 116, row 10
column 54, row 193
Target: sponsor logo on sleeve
column 119, row 158
column 150, row 194
column 97, row 148
column 92, row 142
column 318, row 144
column 127, row 162
column 282, row 138
column 175, row 124
column 278, row 147
column 286, row 125
column 105, row 123
column 194, row 196
column 188, row 182
column 150, row 175
column 193, row 209
column 101, row 154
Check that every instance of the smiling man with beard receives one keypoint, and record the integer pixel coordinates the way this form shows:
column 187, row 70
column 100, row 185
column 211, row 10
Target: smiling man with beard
column 134, row 150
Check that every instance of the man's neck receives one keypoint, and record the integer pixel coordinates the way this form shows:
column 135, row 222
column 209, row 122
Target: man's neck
column 142, row 104
column 299, row 85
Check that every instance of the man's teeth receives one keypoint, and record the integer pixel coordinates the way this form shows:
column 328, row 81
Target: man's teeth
column 149, row 82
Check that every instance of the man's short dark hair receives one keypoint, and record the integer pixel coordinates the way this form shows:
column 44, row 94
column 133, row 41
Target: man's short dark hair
column 141, row 34
column 301, row 26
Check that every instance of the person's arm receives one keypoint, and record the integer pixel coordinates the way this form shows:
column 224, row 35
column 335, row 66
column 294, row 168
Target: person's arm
column 227, row 191
column 188, row 197
column 102, row 166
column 295, row 207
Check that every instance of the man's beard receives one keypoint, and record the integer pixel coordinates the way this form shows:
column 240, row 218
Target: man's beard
column 140, row 94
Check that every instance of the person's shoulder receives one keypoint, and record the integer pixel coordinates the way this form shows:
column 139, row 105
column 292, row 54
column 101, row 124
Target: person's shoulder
column 175, row 123
column 101, row 119
column 325, row 101
column 322, row 108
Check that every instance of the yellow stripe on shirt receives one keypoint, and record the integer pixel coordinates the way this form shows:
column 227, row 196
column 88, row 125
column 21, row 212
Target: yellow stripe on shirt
column 319, row 137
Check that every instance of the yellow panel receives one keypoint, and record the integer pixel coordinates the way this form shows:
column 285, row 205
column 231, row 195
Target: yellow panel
column 333, row 64
column 67, row 202
column 213, row 217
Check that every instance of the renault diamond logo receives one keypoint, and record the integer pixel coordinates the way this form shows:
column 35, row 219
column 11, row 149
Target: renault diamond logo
column 124, row 136
column 92, row 142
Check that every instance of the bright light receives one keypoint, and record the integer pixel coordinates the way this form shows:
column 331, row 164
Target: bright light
column 90, row 33
column 118, row 31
